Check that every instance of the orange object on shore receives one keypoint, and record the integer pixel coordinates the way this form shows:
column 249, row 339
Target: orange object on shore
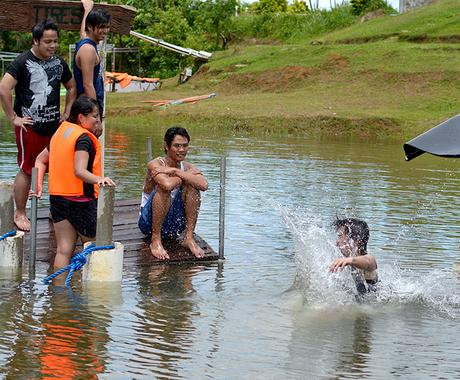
column 172, row 102
column 124, row 79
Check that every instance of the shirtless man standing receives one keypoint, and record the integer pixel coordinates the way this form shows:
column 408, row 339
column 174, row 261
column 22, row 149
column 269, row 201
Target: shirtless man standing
column 171, row 198
column 87, row 62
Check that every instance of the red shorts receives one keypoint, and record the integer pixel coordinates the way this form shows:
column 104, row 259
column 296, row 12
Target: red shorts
column 30, row 145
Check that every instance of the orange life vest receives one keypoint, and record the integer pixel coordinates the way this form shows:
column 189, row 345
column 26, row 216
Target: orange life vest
column 61, row 178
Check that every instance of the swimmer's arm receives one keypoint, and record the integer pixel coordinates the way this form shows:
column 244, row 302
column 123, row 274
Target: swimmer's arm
column 364, row 262
column 162, row 176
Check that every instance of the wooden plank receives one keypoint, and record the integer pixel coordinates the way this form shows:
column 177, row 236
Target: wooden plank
column 22, row 15
column 125, row 230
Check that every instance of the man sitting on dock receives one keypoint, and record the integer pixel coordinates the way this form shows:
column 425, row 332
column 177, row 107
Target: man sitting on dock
column 171, row 198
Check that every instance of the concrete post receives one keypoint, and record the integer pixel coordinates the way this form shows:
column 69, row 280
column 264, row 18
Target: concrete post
column 103, row 61
column 105, row 205
column 6, row 207
column 11, row 248
column 105, row 265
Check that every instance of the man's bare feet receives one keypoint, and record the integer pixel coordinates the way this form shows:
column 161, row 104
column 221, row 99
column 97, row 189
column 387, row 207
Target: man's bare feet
column 157, row 250
column 191, row 244
column 22, row 222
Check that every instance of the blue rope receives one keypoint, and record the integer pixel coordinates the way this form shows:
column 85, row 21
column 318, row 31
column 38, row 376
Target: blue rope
column 77, row 262
column 8, row 234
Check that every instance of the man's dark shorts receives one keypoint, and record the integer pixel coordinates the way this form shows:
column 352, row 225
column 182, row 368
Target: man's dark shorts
column 82, row 215
column 174, row 223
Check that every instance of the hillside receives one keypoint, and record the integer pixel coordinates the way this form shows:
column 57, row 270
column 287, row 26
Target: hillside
column 392, row 76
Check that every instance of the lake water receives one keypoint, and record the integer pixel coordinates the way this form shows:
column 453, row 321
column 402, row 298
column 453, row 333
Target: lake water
column 271, row 310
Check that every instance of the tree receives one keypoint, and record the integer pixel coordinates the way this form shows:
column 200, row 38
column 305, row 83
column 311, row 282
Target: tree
column 298, row 6
column 362, row 6
column 272, row 6
column 215, row 18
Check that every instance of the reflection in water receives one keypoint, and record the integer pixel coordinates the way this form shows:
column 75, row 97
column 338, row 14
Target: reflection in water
column 342, row 348
column 56, row 334
column 166, row 307
column 73, row 339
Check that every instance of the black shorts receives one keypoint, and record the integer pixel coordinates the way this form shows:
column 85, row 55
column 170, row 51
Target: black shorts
column 82, row 215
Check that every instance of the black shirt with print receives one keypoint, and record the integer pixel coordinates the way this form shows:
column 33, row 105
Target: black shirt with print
column 37, row 92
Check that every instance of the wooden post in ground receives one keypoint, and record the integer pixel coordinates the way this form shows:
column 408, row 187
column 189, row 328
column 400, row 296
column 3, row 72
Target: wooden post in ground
column 149, row 149
column 11, row 248
column 103, row 60
column 33, row 226
column 105, row 205
column 105, row 265
column 223, row 164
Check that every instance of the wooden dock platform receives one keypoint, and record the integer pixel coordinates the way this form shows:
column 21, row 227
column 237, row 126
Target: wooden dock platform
column 125, row 231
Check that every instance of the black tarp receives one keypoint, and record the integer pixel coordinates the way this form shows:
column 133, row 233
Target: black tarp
column 442, row 140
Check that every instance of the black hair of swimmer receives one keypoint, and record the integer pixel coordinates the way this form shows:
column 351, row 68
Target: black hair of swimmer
column 39, row 29
column 355, row 229
column 97, row 18
column 84, row 105
column 173, row 132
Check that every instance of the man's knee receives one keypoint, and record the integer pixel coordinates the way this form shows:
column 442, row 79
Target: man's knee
column 162, row 195
column 191, row 193
column 161, row 202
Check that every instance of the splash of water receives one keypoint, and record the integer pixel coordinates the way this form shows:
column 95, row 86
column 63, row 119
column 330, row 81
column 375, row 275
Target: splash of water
column 315, row 250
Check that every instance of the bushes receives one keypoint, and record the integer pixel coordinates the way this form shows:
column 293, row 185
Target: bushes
column 360, row 7
column 292, row 26
column 203, row 25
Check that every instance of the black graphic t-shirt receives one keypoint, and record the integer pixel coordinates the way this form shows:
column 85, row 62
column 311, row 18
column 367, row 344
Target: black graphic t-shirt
column 37, row 93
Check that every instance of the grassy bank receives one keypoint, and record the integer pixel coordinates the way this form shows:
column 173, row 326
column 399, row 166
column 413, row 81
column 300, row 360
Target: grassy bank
column 391, row 77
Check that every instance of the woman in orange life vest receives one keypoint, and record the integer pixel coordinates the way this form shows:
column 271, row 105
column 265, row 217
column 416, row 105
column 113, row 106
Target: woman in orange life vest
column 74, row 163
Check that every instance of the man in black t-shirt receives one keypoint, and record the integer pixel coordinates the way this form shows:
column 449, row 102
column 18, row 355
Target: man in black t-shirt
column 35, row 76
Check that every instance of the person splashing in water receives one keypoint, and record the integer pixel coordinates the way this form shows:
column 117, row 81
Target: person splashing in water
column 352, row 238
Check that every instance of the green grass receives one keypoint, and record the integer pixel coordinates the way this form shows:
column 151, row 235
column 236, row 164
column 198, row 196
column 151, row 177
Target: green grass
column 441, row 19
column 386, row 87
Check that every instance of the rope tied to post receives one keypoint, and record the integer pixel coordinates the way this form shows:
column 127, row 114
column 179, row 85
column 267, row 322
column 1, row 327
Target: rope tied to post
column 8, row 234
column 77, row 262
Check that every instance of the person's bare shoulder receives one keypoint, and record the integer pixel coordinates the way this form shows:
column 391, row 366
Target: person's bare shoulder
column 189, row 166
column 87, row 53
column 156, row 162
